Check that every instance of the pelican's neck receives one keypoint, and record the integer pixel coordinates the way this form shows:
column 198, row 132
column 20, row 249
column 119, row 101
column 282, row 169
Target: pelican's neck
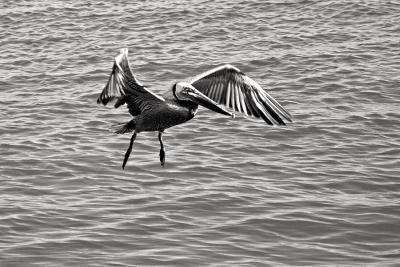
column 193, row 110
column 190, row 105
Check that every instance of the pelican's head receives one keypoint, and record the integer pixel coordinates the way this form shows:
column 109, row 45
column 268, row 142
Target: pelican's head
column 186, row 92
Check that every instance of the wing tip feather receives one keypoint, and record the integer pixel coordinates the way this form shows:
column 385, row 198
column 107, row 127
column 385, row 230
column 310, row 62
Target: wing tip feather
column 230, row 67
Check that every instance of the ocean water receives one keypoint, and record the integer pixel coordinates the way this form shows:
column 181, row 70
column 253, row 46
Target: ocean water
column 322, row 191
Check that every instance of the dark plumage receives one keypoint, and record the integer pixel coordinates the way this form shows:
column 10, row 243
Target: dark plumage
column 224, row 85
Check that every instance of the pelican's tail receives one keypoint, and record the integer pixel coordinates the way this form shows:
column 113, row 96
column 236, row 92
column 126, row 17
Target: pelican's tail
column 123, row 128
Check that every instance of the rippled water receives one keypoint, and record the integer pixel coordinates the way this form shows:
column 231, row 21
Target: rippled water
column 235, row 192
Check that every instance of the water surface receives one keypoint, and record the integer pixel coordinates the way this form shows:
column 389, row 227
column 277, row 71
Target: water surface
column 235, row 192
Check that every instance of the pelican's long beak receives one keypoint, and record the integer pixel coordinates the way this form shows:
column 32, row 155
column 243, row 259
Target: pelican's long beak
column 206, row 102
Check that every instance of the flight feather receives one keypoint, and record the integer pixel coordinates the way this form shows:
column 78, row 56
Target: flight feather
column 229, row 86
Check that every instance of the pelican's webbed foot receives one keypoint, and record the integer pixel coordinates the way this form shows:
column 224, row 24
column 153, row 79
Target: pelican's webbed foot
column 162, row 151
column 162, row 157
column 128, row 152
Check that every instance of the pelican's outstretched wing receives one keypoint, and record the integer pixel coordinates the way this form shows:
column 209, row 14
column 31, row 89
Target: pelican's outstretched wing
column 125, row 88
column 229, row 86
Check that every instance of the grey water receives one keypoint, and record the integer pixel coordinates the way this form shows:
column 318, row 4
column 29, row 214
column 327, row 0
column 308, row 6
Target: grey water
column 322, row 191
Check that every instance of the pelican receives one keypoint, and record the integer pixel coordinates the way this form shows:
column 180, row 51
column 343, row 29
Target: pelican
column 223, row 86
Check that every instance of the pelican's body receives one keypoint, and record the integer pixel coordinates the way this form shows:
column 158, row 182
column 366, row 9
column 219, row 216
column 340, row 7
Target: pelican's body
column 166, row 115
column 224, row 85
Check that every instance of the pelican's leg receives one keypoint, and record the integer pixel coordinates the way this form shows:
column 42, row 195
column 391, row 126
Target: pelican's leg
column 128, row 152
column 162, row 151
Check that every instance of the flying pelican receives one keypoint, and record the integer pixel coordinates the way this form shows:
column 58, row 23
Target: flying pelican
column 225, row 85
